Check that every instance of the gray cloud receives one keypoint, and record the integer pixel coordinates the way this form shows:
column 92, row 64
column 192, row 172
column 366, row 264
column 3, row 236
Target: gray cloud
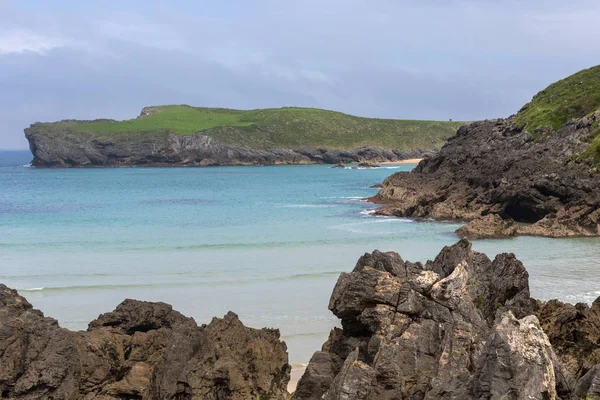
column 403, row 59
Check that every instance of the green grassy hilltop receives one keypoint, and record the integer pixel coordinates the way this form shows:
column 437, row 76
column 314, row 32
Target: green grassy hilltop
column 576, row 96
column 573, row 97
column 269, row 128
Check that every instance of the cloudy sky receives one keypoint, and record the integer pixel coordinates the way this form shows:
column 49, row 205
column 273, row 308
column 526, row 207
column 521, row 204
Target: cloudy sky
column 421, row 59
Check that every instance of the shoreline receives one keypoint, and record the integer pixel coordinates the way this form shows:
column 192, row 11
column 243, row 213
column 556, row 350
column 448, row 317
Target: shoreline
column 295, row 375
column 401, row 162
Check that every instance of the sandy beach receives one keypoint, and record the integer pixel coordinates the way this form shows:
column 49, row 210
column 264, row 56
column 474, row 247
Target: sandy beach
column 297, row 372
column 407, row 161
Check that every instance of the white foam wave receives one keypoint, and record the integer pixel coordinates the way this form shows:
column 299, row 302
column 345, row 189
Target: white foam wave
column 35, row 289
column 27, row 166
column 368, row 211
column 587, row 297
column 383, row 218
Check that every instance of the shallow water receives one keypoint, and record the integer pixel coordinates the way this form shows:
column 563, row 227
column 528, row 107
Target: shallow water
column 265, row 242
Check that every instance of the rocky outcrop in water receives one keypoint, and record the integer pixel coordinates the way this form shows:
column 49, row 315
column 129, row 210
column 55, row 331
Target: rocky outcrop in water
column 139, row 351
column 162, row 148
column 459, row 327
column 495, row 167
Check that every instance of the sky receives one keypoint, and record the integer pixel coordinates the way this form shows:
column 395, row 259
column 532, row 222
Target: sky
column 421, row 59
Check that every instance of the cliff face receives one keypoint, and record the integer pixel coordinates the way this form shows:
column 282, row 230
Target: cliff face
column 139, row 351
column 495, row 167
column 539, row 166
column 459, row 327
column 195, row 136
column 167, row 149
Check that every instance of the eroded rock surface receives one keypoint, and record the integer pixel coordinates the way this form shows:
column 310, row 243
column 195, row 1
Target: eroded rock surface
column 574, row 331
column 459, row 327
column 139, row 351
column 490, row 226
column 494, row 167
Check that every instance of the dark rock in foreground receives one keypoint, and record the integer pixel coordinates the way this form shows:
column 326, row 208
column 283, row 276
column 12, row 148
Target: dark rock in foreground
column 495, row 167
column 459, row 327
column 139, row 351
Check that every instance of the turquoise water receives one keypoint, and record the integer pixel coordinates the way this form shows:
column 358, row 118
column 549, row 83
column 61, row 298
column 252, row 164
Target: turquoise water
column 265, row 242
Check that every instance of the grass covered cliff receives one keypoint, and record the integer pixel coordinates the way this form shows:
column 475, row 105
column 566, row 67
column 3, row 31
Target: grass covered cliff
column 176, row 134
column 574, row 97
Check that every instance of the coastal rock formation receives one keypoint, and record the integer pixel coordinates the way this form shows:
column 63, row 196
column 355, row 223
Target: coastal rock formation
column 139, row 351
column 574, row 331
column 459, row 327
column 367, row 164
column 493, row 167
column 490, row 226
column 180, row 135
column 547, row 177
column 167, row 149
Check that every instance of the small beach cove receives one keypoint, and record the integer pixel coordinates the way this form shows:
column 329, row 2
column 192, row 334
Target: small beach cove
column 265, row 242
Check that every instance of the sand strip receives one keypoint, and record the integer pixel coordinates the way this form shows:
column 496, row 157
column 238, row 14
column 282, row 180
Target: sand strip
column 407, row 161
column 297, row 372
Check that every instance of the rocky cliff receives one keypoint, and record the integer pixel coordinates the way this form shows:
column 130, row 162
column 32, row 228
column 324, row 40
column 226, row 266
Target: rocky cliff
column 140, row 350
column 194, row 136
column 459, row 327
column 163, row 149
column 517, row 169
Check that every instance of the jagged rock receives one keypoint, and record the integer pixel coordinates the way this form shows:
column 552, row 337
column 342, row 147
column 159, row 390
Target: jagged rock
column 517, row 362
column 139, row 351
column 353, row 381
column 376, row 186
column 339, row 165
column 588, row 387
column 497, row 167
column 574, row 331
column 319, row 375
column 490, row 226
column 459, row 327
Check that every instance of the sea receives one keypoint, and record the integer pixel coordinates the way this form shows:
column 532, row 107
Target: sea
column 267, row 242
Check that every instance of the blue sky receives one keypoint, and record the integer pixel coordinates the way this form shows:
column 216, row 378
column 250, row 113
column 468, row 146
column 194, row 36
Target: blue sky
column 425, row 59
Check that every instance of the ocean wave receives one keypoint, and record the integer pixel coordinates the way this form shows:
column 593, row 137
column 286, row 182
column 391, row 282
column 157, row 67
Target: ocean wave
column 368, row 211
column 35, row 289
column 587, row 297
column 51, row 289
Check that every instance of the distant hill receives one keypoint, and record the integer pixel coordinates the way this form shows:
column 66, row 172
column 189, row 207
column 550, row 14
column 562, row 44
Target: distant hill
column 181, row 134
